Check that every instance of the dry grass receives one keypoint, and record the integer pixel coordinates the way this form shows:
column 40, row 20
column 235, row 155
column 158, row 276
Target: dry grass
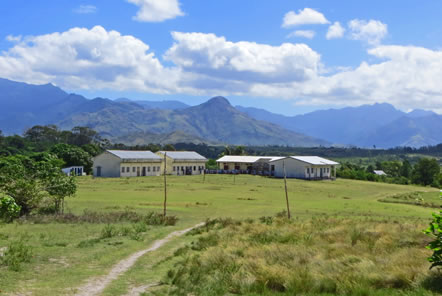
column 322, row 255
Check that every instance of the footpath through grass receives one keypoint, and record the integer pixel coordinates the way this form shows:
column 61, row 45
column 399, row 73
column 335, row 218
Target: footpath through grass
column 65, row 255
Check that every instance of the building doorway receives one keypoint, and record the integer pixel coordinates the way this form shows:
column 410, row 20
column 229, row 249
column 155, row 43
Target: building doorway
column 143, row 172
column 138, row 171
column 98, row 171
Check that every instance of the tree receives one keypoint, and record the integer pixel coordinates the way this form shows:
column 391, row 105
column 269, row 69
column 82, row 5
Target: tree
column 406, row 169
column 83, row 135
column 426, row 171
column 44, row 134
column 169, row 147
column 73, row 156
column 29, row 179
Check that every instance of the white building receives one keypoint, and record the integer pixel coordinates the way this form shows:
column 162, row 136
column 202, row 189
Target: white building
column 73, row 171
column 243, row 163
column 119, row 163
column 304, row 167
column 183, row 162
column 379, row 173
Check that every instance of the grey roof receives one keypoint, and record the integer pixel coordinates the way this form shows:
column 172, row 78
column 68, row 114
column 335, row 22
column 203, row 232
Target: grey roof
column 135, row 155
column 246, row 158
column 379, row 172
column 184, row 155
column 315, row 160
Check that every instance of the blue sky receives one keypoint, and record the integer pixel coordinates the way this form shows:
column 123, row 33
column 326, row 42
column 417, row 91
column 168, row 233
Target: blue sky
column 389, row 51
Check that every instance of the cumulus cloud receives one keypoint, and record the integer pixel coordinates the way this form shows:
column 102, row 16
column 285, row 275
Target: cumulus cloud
column 302, row 33
column 82, row 59
column 335, row 31
column 306, row 16
column 214, row 57
column 205, row 64
column 371, row 31
column 408, row 77
column 86, row 9
column 157, row 10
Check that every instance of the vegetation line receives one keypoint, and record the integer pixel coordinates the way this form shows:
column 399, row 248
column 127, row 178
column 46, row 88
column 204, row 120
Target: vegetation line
column 96, row 285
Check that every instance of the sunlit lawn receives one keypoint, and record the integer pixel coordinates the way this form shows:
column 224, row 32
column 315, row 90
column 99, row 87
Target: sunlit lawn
column 59, row 266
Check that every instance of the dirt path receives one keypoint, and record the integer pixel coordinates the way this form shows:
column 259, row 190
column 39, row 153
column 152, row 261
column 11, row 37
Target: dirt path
column 96, row 285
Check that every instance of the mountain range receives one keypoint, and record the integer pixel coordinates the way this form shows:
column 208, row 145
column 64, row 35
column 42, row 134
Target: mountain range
column 215, row 121
column 379, row 125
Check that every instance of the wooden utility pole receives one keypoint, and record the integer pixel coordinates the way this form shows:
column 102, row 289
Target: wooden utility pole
column 165, row 185
column 286, row 194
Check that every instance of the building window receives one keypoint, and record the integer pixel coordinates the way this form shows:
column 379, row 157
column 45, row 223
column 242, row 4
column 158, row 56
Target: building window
column 158, row 169
column 133, row 169
column 328, row 170
column 122, row 169
column 154, row 169
column 194, row 168
column 148, row 169
column 308, row 170
column 174, row 169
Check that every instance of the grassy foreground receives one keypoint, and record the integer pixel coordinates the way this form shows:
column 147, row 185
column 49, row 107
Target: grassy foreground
column 65, row 255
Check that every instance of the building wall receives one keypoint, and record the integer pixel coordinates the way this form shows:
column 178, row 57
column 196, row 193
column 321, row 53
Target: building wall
column 135, row 169
column 109, row 163
column 179, row 168
column 232, row 166
column 174, row 167
column 301, row 170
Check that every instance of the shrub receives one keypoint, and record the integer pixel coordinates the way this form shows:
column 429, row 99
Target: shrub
column 9, row 210
column 16, row 253
column 435, row 231
column 108, row 231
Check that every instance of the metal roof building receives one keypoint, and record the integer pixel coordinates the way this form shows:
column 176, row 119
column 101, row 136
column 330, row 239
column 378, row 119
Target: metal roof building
column 125, row 163
column 183, row 162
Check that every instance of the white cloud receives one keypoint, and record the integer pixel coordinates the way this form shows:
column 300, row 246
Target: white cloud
column 86, row 59
column 302, row 33
column 408, row 77
column 206, row 64
column 157, row 10
column 13, row 39
column 214, row 58
column 306, row 16
column 335, row 31
column 371, row 31
column 86, row 9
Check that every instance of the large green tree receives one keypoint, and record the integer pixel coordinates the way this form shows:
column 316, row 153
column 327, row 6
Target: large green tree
column 73, row 156
column 29, row 179
column 426, row 171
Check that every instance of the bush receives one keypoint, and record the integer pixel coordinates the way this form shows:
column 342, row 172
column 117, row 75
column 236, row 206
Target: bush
column 16, row 253
column 9, row 210
column 435, row 231
column 108, row 231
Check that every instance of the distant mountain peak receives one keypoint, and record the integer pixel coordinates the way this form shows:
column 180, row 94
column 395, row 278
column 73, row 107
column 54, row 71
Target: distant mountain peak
column 221, row 101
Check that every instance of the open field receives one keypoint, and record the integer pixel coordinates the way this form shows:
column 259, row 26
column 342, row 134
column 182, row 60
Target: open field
column 66, row 255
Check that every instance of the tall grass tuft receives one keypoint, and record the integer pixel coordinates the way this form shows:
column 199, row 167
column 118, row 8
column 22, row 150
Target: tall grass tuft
column 328, row 255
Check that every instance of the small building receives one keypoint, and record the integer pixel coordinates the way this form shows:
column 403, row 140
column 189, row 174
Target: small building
column 73, row 171
column 304, row 167
column 246, row 164
column 379, row 173
column 122, row 163
column 183, row 162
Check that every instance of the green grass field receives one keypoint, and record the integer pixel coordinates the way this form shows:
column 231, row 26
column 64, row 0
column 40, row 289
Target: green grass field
column 58, row 265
